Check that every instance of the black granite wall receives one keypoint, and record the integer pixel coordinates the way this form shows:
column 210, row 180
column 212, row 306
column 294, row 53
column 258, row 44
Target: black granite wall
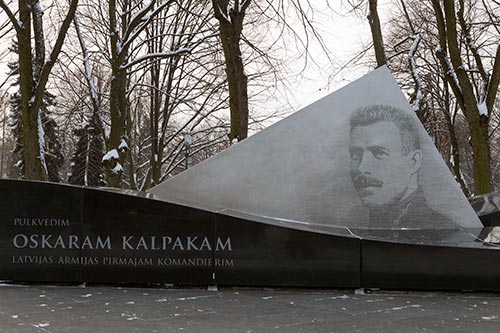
column 62, row 233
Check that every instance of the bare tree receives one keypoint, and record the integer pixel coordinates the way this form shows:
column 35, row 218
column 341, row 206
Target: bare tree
column 445, row 55
column 477, row 105
column 34, row 71
column 146, row 79
column 185, row 93
column 231, row 16
column 171, row 84
column 411, row 39
column 128, row 21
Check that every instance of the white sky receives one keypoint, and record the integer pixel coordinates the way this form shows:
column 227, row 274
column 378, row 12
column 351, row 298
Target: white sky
column 345, row 35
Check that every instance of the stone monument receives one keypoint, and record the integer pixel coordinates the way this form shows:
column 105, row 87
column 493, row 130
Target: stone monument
column 359, row 158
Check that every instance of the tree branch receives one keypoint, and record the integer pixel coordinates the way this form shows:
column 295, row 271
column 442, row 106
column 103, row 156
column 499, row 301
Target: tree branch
column 414, row 74
column 47, row 67
column 159, row 55
column 130, row 35
column 138, row 18
column 456, row 59
column 90, row 80
column 494, row 82
column 17, row 25
column 470, row 44
column 441, row 53
column 37, row 14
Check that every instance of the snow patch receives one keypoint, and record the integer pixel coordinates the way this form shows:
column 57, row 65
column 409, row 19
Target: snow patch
column 359, row 291
column 483, row 109
column 12, row 285
column 190, row 298
column 81, row 125
column 374, row 300
column 123, row 145
column 492, row 317
column 241, row 5
column 333, row 297
column 117, row 169
column 110, row 155
column 221, row 12
column 156, row 55
column 130, row 317
column 405, row 307
column 416, row 76
column 41, row 142
column 463, row 67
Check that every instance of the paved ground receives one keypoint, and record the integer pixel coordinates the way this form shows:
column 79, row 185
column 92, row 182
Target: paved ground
column 42, row 308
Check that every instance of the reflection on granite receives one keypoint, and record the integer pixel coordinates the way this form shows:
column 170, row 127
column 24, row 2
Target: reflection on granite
column 486, row 204
column 487, row 237
column 490, row 235
column 293, row 224
column 487, row 207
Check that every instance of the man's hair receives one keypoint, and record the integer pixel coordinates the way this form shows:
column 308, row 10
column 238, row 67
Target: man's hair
column 372, row 114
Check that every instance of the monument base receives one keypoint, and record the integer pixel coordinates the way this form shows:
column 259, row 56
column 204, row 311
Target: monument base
column 62, row 233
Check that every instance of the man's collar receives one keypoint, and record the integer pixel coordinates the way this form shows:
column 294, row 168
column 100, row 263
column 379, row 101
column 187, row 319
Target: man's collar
column 392, row 215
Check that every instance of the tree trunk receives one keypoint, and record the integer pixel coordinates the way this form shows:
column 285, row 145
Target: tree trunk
column 378, row 42
column 478, row 124
column 237, row 83
column 455, row 152
column 230, row 27
column 154, row 172
column 117, row 103
column 460, row 83
column 481, row 155
column 31, row 147
column 34, row 73
column 114, row 167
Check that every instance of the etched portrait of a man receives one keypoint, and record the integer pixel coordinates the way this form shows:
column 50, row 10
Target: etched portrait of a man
column 385, row 163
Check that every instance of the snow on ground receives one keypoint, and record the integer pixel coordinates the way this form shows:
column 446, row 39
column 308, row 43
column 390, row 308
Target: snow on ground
column 36, row 308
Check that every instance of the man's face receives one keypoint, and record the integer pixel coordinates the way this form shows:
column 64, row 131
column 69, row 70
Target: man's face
column 380, row 172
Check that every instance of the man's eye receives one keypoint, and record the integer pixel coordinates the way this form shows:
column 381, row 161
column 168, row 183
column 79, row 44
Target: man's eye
column 379, row 153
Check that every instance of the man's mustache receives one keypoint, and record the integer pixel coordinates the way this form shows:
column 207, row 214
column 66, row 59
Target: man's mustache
column 361, row 180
